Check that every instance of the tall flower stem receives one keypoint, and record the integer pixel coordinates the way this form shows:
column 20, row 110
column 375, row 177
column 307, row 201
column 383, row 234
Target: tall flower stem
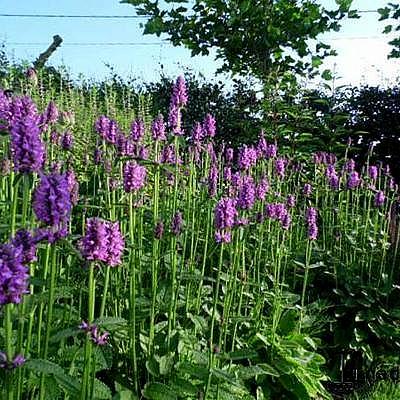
column 8, row 333
column 305, row 281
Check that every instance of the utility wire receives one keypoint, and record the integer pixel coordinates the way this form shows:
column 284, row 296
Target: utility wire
column 89, row 44
column 104, row 16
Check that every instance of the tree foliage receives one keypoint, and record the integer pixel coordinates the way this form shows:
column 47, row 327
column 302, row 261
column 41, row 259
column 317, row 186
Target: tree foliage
column 392, row 11
column 250, row 36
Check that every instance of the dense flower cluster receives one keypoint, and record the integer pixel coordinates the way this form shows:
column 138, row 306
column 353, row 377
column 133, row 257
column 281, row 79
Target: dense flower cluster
column 107, row 129
column 102, row 242
column 134, row 176
column 93, row 331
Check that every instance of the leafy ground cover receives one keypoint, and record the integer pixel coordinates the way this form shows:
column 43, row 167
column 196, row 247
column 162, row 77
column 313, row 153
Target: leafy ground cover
column 141, row 260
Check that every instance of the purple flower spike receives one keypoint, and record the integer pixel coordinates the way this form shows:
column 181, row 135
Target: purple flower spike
column 213, row 180
column 176, row 224
column 229, row 153
column 247, row 157
column 52, row 200
column 137, row 130
column 13, row 274
column 225, row 213
column 27, row 148
column 179, row 92
column 223, row 236
column 25, row 241
column 107, row 129
column 291, row 200
column 353, row 180
column 272, row 151
column 102, row 242
column 158, row 129
column 209, row 126
column 134, row 177
column 73, row 186
column 280, row 167
column 307, row 190
column 67, row 140
column 197, row 133
column 373, row 172
column 379, row 199
column 159, row 230
column 350, row 165
column 247, row 193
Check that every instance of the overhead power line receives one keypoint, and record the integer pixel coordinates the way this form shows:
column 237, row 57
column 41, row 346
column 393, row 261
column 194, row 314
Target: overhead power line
column 103, row 16
column 89, row 44
column 73, row 16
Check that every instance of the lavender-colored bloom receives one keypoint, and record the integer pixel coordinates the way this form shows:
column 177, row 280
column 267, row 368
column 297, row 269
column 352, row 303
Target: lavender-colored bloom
column 99, row 339
column 229, row 153
column 373, row 172
column 350, row 165
column 73, row 186
column 227, row 174
column 67, row 140
column 334, row 181
column 134, row 176
column 137, row 130
column 158, row 129
column 5, row 110
column 225, row 213
column 247, row 157
column 307, row 189
column 286, row 221
column 107, row 129
column 143, row 153
column 262, row 145
column 102, row 242
column 176, row 224
column 330, row 170
column 209, row 126
column 25, row 241
column 313, row 231
column 27, row 149
column 223, row 236
column 311, row 215
column 211, row 151
column 291, row 200
column 97, row 156
column 3, row 359
column 125, row 146
column 21, row 108
column 213, row 180
column 159, row 230
column 51, row 234
column 353, row 180
column 54, row 137
column 262, row 189
column 168, row 155
column 272, row 151
column 116, row 244
column 13, row 274
column 52, row 200
column 280, row 167
column 247, row 193
column 50, row 115
column 179, row 92
column 197, row 133
column 18, row 360
column 379, row 199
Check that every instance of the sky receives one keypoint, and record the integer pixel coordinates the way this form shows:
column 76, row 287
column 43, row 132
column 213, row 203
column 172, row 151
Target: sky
column 361, row 46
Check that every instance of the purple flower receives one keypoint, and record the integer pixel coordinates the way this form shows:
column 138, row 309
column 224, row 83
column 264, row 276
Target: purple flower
column 313, row 231
column 225, row 213
column 99, row 339
column 223, row 236
column 134, row 176
column 334, row 181
column 5, row 110
column 102, row 242
column 209, row 126
column 179, row 92
column 159, row 230
column 27, row 149
column 143, row 153
column 262, row 146
column 197, row 133
column 272, row 151
column 176, row 224
column 97, row 156
column 229, row 153
column 51, row 234
column 227, row 174
column 247, row 193
column 25, row 241
column 158, row 129
column 286, row 221
column 54, row 137
column 168, row 155
column 262, row 189
column 107, row 129
column 311, row 221
column 291, row 200
column 52, row 200
column 353, row 180
column 50, row 115
column 379, row 199
column 373, row 172
column 350, row 165
column 13, row 274
column 17, row 361
column 213, row 180
column 247, row 157
column 307, row 189
column 67, row 140
column 73, row 186
column 137, row 130
column 280, row 167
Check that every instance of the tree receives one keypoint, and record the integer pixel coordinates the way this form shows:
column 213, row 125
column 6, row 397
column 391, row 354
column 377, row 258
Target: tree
column 391, row 11
column 256, row 37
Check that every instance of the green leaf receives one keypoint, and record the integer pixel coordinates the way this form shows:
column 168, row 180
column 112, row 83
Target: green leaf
column 101, row 391
column 158, row 391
